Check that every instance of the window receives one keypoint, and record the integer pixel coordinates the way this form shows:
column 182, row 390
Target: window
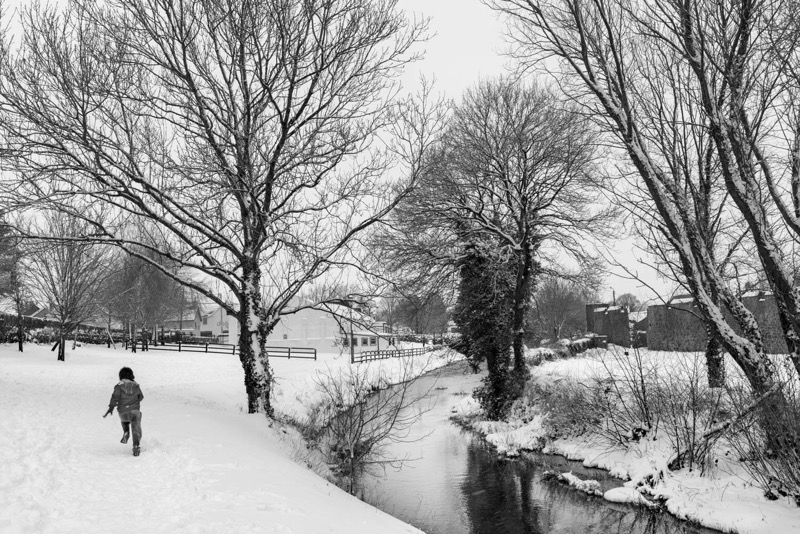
column 285, row 336
column 345, row 341
column 205, row 320
column 373, row 341
column 364, row 341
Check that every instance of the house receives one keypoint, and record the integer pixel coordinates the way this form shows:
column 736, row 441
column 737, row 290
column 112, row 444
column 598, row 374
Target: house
column 331, row 331
column 36, row 312
column 215, row 323
column 611, row 321
column 188, row 323
column 337, row 329
column 100, row 319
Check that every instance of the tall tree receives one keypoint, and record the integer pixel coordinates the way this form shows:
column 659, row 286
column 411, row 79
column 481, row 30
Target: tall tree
column 139, row 294
column 68, row 274
column 630, row 301
column 484, row 314
column 425, row 314
column 558, row 305
column 651, row 72
column 513, row 172
column 250, row 131
column 13, row 283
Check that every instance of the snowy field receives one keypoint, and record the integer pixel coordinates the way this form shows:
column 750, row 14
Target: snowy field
column 206, row 465
column 725, row 498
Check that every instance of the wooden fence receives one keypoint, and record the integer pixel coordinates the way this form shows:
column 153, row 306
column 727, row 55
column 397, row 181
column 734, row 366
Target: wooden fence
column 221, row 348
column 370, row 355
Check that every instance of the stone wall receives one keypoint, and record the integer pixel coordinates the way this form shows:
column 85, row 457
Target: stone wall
column 677, row 326
column 609, row 321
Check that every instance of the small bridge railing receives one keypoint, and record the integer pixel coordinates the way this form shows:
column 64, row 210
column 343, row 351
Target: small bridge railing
column 371, row 355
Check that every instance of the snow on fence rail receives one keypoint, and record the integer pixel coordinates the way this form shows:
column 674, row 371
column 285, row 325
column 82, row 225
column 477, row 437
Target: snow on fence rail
column 221, row 348
column 370, row 355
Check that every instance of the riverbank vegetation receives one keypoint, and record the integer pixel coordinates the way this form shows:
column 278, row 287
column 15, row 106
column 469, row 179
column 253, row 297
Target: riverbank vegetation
column 359, row 412
column 652, row 419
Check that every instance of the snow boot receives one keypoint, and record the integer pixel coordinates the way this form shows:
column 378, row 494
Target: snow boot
column 125, row 437
column 136, row 450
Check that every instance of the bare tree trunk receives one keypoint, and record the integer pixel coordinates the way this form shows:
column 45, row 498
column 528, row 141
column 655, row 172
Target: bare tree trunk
column 20, row 330
column 61, row 354
column 715, row 361
column 252, row 340
column 521, row 298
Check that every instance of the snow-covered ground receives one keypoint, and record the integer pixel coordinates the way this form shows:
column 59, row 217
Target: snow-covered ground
column 724, row 498
column 206, row 465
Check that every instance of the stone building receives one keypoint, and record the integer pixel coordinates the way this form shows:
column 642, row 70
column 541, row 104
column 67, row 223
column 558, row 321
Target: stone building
column 676, row 326
column 610, row 321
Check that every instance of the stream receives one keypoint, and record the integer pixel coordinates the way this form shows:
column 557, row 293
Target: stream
column 456, row 484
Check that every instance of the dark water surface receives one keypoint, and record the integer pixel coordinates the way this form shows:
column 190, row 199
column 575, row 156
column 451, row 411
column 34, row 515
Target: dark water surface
column 458, row 485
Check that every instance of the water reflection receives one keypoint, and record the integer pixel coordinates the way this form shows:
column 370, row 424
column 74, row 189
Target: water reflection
column 459, row 485
column 512, row 497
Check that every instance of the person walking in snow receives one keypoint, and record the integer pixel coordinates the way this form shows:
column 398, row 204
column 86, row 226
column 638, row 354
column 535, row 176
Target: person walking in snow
column 126, row 398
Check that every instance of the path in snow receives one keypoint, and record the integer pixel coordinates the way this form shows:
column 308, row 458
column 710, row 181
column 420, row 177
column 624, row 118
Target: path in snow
column 205, row 466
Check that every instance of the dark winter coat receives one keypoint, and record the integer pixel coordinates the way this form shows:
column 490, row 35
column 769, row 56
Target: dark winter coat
column 126, row 397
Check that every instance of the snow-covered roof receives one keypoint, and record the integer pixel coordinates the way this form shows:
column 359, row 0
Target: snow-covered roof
column 188, row 315
column 756, row 293
column 637, row 316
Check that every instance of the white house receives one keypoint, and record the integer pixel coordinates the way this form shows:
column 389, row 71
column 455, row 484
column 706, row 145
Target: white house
column 331, row 332
column 324, row 331
column 216, row 324
column 189, row 323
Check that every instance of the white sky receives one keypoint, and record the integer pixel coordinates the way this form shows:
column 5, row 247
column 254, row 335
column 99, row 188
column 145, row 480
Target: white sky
column 468, row 44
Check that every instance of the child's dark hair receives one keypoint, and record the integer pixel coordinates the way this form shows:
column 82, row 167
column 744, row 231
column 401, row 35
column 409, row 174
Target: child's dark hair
column 126, row 373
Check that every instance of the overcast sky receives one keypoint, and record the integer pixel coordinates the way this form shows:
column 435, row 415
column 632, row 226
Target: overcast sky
column 468, row 44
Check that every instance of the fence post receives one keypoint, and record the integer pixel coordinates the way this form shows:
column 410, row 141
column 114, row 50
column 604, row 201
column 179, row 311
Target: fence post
column 289, row 357
column 179, row 345
column 234, row 350
column 206, row 348
column 315, row 354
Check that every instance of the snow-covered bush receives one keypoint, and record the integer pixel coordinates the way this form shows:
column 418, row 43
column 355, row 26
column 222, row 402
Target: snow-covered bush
column 537, row 356
column 630, row 397
column 357, row 415
column 688, row 410
column 571, row 407
column 580, row 345
column 775, row 464
column 498, row 392
column 563, row 348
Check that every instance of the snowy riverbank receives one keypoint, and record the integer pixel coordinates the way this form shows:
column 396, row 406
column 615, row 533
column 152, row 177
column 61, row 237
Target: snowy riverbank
column 725, row 497
column 206, row 465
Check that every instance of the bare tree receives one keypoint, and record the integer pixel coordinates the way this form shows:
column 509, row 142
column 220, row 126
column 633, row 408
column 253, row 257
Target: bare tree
column 19, row 290
column 141, row 295
column 630, row 301
column 558, row 305
column 361, row 413
column 650, row 72
column 424, row 314
column 13, row 283
column 68, row 274
column 249, row 131
column 514, row 172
